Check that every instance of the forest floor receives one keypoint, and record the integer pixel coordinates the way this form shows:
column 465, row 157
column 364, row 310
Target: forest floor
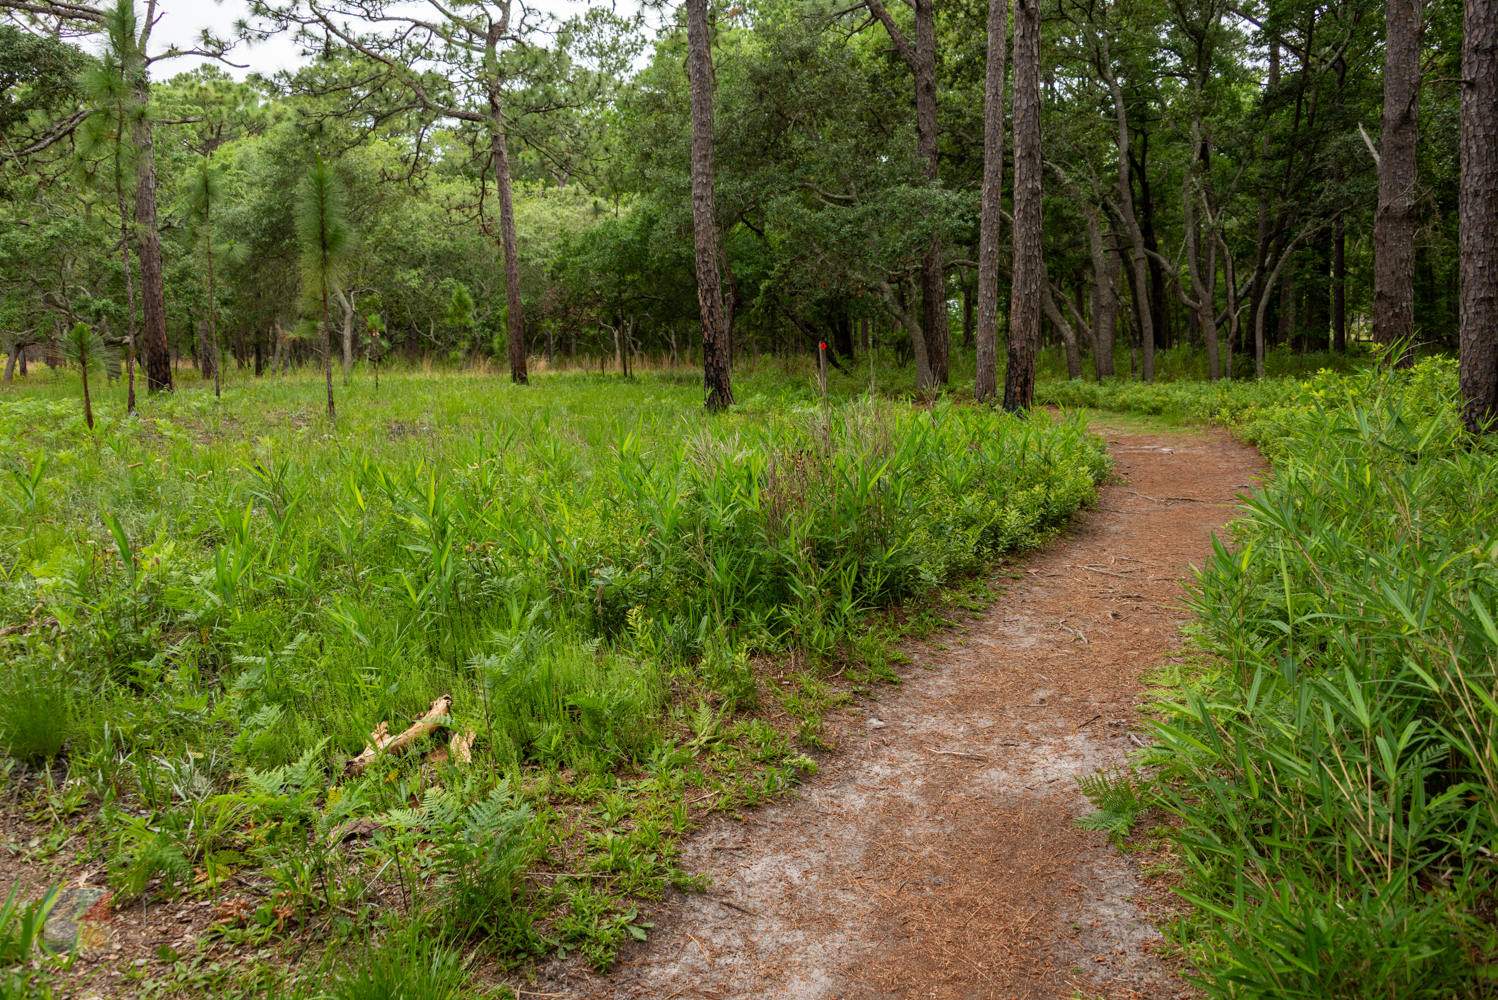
column 935, row 855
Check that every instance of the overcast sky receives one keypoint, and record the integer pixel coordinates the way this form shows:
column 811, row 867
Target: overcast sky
column 185, row 20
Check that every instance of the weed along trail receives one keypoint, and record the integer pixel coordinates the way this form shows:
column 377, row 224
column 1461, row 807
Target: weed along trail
column 936, row 855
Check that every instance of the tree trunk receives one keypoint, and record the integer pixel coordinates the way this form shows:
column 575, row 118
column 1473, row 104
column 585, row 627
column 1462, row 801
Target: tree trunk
column 986, row 383
column 153, row 293
column 212, row 311
column 1230, row 274
column 1479, row 215
column 912, row 325
column 1125, row 206
column 327, row 351
column 1394, row 222
column 1339, row 287
column 129, row 298
column 921, row 58
column 1029, row 267
column 1067, row 332
column 933, row 277
column 1105, row 312
column 500, row 152
column 715, row 360
column 1203, row 298
column 88, row 405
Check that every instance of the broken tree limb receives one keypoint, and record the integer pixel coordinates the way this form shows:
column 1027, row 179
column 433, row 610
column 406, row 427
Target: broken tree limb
column 394, row 746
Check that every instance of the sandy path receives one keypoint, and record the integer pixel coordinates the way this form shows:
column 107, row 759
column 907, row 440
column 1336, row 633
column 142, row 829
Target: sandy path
column 935, row 857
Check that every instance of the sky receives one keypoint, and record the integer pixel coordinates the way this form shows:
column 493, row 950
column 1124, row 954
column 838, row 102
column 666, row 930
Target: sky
column 184, row 21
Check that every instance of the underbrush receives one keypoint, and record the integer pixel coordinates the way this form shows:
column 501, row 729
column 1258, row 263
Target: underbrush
column 1333, row 768
column 592, row 595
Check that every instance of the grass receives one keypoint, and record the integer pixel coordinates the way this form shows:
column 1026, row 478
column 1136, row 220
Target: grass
column 1332, row 760
column 230, row 596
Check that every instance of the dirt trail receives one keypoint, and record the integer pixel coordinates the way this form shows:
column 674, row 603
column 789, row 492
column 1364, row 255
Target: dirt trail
column 935, row 856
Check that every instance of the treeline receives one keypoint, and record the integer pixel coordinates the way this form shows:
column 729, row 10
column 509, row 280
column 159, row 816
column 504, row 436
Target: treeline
column 516, row 186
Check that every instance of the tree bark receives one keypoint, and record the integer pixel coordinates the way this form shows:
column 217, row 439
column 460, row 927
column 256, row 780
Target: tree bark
column 148, row 248
column 1029, row 266
column 1105, row 313
column 1232, row 298
column 921, row 58
column 933, row 275
column 986, row 382
column 1204, row 299
column 715, row 360
column 499, row 149
column 327, row 351
column 1394, row 221
column 1339, row 287
column 1479, row 216
column 212, row 310
column 129, row 300
column 1067, row 332
column 1126, row 214
column 912, row 325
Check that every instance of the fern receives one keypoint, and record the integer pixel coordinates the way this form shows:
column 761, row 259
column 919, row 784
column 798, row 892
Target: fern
column 1118, row 798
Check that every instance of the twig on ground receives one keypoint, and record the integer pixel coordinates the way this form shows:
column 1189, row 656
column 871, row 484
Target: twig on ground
column 1108, row 572
column 734, row 906
column 956, row 753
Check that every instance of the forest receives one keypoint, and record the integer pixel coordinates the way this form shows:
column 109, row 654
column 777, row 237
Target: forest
column 452, row 478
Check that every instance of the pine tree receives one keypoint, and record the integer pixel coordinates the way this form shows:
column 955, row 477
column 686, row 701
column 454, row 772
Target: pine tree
column 83, row 347
column 324, row 236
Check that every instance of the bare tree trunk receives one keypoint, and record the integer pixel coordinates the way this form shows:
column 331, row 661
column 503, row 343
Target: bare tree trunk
column 1105, row 315
column 212, row 310
column 986, row 382
column 912, row 325
column 1230, row 273
column 1394, row 222
column 1126, row 212
column 499, row 149
column 1479, row 215
column 129, row 298
column 346, row 302
column 1067, row 332
column 933, row 277
column 921, row 58
column 1339, row 287
column 715, row 360
column 1264, row 299
column 1203, row 301
column 327, row 350
column 1029, row 267
column 153, row 293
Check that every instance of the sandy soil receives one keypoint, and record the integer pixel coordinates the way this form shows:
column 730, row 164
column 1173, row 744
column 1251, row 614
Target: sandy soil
column 935, row 855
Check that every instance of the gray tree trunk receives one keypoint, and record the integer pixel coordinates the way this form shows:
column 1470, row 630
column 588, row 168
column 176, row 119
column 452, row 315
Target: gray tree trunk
column 1394, row 221
column 986, row 381
column 715, row 359
column 1479, row 215
column 1029, row 266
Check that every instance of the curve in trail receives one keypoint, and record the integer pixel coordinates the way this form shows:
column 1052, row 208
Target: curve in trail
column 936, row 856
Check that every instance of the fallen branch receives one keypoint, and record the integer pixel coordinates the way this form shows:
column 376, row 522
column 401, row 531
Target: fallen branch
column 394, row 746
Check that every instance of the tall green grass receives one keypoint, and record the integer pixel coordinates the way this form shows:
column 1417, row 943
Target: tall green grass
column 1335, row 770
column 233, row 594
